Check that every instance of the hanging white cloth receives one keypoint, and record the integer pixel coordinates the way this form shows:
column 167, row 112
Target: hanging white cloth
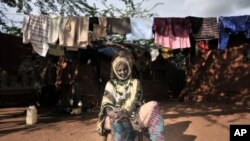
column 67, row 31
column 141, row 28
column 53, row 30
column 82, row 32
column 25, row 28
column 35, row 31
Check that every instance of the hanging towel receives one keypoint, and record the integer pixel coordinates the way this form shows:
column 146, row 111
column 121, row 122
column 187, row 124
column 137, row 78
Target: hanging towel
column 209, row 29
column 40, row 48
column 67, row 31
column 82, row 32
column 100, row 29
column 141, row 28
column 53, row 31
column 36, row 32
column 118, row 26
column 38, row 29
column 25, row 28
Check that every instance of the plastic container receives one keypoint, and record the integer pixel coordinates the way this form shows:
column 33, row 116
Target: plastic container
column 31, row 116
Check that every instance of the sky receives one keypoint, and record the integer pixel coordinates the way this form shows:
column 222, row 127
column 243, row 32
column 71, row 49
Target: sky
column 200, row 8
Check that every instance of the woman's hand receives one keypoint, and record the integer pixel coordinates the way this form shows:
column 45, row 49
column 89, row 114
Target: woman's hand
column 117, row 114
column 122, row 113
column 112, row 114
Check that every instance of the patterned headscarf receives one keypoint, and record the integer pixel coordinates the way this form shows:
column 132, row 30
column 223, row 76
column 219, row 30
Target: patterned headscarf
column 119, row 60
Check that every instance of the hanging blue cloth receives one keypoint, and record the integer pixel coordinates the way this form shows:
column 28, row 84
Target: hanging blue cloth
column 232, row 25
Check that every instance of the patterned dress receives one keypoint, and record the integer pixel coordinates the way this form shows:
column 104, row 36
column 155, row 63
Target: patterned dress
column 128, row 95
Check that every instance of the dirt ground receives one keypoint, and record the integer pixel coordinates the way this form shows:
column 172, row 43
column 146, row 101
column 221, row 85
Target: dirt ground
column 183, row 122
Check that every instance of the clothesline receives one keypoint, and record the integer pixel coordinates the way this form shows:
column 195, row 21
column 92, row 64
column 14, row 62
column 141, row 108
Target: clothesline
column 22, row 14
column 173, row 33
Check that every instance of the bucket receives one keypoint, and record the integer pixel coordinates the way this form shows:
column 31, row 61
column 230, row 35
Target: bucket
column 31, row 116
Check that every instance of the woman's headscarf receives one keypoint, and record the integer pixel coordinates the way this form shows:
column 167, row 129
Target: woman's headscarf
column 117, row 61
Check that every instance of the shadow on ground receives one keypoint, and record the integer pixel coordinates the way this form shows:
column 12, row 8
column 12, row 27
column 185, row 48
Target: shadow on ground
column 175, row 132
column 174, row 109
column 13, row 119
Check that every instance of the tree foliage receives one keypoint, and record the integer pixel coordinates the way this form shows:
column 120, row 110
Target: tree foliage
column 130, row 8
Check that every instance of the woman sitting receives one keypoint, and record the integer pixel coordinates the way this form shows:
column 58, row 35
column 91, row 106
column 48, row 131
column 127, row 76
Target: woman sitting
column 123, row 110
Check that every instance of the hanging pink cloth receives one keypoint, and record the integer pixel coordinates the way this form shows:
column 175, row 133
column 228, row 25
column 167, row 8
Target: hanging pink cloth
column 173, row 42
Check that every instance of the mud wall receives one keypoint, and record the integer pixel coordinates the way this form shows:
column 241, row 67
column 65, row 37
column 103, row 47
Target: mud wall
column 222, row 76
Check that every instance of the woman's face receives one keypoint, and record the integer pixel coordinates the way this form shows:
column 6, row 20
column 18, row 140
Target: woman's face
column 122, row 70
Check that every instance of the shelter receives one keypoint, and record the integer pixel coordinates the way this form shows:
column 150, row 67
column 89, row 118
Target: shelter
column 163, row 64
